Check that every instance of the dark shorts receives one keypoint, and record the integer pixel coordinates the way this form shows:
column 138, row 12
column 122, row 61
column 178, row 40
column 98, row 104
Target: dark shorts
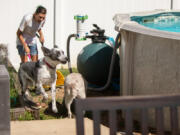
column 33, row 49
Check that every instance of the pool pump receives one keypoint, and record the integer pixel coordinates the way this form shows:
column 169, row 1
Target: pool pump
column 98, row 62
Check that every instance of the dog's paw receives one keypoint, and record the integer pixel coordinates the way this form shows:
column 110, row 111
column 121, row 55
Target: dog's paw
column 70, row 116
column 54, row 109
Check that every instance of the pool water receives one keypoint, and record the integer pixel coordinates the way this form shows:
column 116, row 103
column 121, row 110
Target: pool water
column 164, row 21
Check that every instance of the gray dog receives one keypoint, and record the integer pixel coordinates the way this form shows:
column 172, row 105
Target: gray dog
column 42, row 72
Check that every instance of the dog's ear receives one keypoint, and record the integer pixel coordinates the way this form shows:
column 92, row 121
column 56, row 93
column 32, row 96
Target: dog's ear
column 46, row 51
column 56, row 46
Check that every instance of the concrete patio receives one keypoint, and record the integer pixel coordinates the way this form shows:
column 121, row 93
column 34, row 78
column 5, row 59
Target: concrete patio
column 52, row 127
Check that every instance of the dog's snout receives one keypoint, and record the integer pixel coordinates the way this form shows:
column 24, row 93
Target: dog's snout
column 66, row 58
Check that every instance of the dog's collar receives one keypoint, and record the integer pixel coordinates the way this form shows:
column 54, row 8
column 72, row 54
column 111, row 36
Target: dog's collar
column 48, row 64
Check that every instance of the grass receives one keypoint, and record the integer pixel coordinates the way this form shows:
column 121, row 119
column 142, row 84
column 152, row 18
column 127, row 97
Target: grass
column 44, row 116
column 26, row 116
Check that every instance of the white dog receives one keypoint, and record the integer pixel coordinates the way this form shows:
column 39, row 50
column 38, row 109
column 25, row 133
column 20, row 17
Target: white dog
column 74, row 87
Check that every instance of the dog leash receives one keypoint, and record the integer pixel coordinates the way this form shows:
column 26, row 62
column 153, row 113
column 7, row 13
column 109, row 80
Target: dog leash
column 29, row 57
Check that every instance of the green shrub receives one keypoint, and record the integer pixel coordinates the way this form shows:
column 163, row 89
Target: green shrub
column 14, row 101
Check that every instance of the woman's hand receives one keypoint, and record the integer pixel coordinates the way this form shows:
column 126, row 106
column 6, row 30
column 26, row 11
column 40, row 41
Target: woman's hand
column 27, row 50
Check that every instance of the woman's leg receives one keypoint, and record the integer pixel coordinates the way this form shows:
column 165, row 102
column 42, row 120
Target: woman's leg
column 23, row 58
column 22, row 53
column 34, row 52
column 34, row 58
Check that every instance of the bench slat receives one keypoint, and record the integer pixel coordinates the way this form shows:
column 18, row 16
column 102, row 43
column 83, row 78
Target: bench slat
column 144, row 119
column 160, row 121
column 174, row 120
column 112, row 122
column 96, row 122
column 128, row 122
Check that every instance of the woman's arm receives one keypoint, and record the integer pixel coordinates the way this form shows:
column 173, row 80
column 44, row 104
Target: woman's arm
column 21, row 38
column 41, row 36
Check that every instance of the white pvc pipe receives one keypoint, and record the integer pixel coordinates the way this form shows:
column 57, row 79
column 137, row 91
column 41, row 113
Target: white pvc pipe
column 172, row 4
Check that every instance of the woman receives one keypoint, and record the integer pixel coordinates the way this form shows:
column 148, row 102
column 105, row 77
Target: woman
column 26, row 34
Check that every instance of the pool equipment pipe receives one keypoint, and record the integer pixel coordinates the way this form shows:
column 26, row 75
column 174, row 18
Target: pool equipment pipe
column 54, row 26
column 97, row 37
column 68, row 51
column 80, row 35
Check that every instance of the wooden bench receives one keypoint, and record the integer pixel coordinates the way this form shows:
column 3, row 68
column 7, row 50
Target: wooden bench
column 127, row 104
